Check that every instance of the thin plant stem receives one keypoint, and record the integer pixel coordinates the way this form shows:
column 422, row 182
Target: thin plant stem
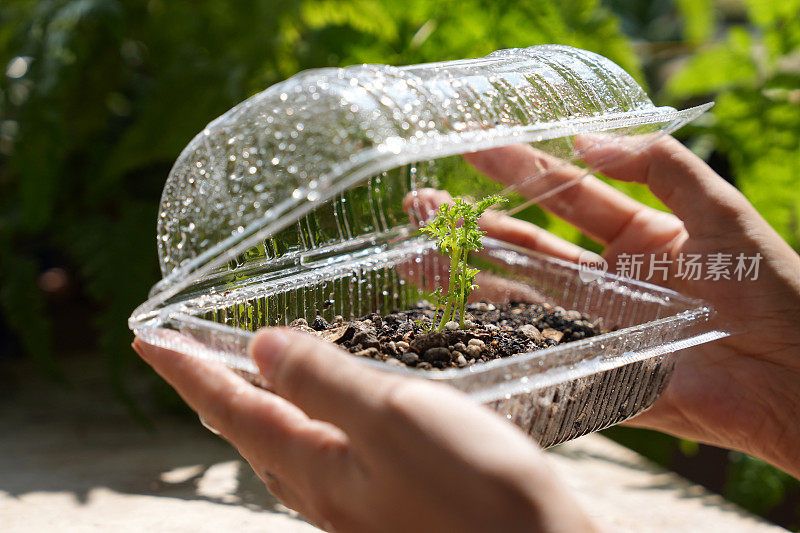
column 451, row 296
column 462, row 304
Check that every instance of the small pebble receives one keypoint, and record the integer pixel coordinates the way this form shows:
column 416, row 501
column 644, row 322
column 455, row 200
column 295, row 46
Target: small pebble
column 451, row 326
column 410, row 358
column 460, row 359
column 402, row 346
column 298, row 323
column 473, row 351
column 366, row 339
column 469, row 324
column 477, row 342
column 530, row 331
column 552, row 334
column 460, row 347
column 369, row 352
column 437, row 354
column 338, row 319
column 391, row 361
column 320, row 324
column 574, row 315
column 304, row 329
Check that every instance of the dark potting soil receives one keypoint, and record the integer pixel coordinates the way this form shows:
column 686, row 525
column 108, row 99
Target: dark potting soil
column 403, row 337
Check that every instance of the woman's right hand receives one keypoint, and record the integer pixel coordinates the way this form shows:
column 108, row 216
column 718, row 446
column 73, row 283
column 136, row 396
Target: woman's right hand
column 741, row 392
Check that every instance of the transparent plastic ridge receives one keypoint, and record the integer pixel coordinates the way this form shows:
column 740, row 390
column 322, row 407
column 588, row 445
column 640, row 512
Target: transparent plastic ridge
column 291, row 205
column 554, row 394
column 270, row 160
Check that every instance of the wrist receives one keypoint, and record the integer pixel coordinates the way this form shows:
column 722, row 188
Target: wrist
column 774, row 427
column 779, row 443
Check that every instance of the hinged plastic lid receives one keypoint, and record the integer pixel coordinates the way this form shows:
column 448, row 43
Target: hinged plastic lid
column 279, row 154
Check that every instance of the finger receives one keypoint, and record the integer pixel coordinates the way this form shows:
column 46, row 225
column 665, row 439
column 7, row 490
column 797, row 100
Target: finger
column 290, row 497
column 374, row 407
column 705, row 202
column 420, row 205
column 499, row 226
column 320, row 378
column 593, row 206
column 515, row 231
column 269, row 431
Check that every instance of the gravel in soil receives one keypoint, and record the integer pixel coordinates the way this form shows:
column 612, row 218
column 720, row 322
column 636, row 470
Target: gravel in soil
column 403, row 338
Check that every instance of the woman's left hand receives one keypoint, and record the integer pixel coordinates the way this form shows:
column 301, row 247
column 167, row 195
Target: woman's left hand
column 356, row 449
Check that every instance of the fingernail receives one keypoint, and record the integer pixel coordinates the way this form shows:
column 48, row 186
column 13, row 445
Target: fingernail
column 267, row 348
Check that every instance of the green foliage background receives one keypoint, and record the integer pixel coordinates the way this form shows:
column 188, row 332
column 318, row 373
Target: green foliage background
column 112, row 90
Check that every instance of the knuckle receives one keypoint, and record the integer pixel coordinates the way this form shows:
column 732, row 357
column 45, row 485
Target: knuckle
column 331, row 512
column 665, row 148
column 233, row 410
column 532, row 240
column 331, row 447
column 222, row 408
column 566, row 199
column 275, row 487
column 400, row 398
column 292, row 371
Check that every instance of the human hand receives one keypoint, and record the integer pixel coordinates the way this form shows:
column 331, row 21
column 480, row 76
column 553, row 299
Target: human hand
column 355, row 449
column 742, row 392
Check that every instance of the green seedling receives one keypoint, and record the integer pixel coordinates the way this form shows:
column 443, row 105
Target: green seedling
column 455, row 228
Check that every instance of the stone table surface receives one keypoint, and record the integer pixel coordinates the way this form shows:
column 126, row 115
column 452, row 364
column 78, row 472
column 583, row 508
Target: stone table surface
column 76, row 462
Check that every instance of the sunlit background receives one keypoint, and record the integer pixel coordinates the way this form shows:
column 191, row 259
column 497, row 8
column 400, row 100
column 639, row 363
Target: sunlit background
column 98, row 97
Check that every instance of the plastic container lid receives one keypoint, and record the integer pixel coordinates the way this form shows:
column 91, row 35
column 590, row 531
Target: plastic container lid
column 285, row 151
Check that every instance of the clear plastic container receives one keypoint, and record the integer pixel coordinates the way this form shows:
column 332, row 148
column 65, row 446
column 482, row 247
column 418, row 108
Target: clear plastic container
column 291, row 205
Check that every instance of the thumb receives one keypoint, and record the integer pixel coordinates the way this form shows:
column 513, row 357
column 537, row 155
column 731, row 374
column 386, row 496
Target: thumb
column 320, row 378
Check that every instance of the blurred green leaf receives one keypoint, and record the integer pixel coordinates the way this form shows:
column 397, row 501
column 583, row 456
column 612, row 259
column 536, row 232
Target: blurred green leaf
column 114, row 89
column 755, row 485
column 23, row 307
column 698, row 19
column 716, row 68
